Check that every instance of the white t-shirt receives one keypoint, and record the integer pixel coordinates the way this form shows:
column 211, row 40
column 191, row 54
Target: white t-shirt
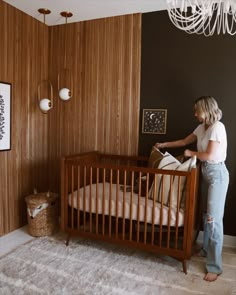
column 215, row 132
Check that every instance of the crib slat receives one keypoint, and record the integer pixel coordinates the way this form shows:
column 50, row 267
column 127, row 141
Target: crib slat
column 97, row 188
column 145, row 213
column 66, row 198
column 72, row 197
column 90, row 197
column 84, row 199
column 161, row 210
column 103, row 202
column 131, row 207
column 138, row 209
column 124, row 202
column 117, row 201
column 177, row 212
column 169, row 211
column 110, row 200
column 78, row 198
column 153, row 209
column 187, row 211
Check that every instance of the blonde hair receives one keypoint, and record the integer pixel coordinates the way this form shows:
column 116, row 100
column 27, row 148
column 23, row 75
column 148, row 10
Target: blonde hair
column 208, row 109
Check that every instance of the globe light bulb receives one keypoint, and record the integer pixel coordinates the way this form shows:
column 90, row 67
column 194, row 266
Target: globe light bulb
column 45, row 105
column 65, row 94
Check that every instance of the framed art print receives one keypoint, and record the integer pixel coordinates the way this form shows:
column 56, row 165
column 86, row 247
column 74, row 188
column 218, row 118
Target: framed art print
column 154, row 121
column 5, row 116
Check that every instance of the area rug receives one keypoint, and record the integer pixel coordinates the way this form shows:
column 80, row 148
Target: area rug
column 48, row 266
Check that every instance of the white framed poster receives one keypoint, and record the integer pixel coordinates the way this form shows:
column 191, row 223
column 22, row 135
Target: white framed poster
column 5, row 116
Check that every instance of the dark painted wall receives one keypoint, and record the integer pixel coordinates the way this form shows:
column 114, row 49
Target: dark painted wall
column 176, row 69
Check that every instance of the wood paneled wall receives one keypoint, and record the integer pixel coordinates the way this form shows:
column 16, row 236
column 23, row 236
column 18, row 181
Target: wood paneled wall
column 24, row 62
column 104, row 57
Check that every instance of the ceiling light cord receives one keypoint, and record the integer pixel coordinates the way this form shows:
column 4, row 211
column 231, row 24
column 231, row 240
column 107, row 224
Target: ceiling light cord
column 45, row 89
column 65, row 92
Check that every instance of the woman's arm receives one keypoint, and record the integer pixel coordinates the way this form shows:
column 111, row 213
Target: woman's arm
column 208, row 155
column 191, row 138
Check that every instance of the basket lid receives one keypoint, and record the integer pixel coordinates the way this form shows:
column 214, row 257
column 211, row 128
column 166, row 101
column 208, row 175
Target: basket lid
column 41, row 198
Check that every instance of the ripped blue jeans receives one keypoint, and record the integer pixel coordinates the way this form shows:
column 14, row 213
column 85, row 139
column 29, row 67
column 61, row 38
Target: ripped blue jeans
column 216, row 179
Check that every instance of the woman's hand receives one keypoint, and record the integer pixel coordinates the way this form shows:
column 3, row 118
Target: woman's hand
column 160, row 145
column 188, row 153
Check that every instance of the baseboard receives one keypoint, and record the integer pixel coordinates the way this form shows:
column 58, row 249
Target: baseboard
column 229, row 241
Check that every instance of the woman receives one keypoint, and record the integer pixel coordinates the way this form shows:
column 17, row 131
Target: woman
column 211, row 151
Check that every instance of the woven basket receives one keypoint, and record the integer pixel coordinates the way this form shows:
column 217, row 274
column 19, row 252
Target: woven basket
column 42, row 214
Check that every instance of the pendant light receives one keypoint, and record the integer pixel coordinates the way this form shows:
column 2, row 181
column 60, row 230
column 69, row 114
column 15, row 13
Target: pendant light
column 45, row 86
column 45, row 103
column 65, row 91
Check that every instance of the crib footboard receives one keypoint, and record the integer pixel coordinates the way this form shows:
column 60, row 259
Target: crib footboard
column 118, row 200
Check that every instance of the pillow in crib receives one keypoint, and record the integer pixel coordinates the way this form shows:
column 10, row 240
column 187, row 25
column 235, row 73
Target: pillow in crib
column 185, row 166
column 163, row 181
column 155, row 157
column 181, row 158
column 153, row 162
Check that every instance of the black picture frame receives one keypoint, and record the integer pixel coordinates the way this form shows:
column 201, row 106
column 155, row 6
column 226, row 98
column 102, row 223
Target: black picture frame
column 154, row 121
column 5, row 116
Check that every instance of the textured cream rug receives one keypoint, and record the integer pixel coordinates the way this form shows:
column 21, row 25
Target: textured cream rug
column 47, row 266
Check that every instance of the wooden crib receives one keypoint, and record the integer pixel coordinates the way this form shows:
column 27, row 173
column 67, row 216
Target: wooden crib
column 114, row 198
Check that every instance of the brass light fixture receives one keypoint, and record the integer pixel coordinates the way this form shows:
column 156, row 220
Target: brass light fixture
column 45, row 86
column 65, row 91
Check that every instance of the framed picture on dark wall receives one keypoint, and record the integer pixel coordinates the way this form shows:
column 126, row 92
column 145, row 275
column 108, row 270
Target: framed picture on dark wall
column 154, row 121
column 5, row 116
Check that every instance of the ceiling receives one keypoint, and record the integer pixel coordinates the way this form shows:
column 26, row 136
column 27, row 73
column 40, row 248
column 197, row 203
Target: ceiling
column 85, row 9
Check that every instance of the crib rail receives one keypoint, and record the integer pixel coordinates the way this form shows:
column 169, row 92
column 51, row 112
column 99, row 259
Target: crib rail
column 114, row 198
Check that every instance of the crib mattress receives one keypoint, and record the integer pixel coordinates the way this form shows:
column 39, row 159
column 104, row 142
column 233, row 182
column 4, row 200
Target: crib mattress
column 111, row 200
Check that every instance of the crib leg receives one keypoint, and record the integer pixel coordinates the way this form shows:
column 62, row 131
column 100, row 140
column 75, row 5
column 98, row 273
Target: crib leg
column 195, row 238
column 184, row 263
column 68, row 239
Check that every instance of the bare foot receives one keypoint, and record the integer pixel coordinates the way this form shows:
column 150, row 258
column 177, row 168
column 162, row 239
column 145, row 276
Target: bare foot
column 200, row 253
column 211, row 277
column 196, row 249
